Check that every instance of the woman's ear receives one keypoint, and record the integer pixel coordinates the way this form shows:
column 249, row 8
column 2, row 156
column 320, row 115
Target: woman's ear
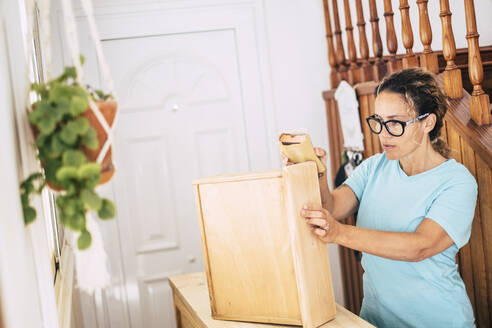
column 430, row 122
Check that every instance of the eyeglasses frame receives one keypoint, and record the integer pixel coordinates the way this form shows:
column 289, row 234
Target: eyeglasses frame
column 403, row 123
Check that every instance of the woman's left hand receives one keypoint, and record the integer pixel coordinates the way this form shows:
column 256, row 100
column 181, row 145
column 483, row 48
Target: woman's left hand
column 321, row 222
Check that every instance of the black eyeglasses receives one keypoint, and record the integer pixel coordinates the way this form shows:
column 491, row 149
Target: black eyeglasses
column 394, row 127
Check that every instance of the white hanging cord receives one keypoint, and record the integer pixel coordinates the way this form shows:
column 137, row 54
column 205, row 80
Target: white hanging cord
column 72, row 38
column 89, row 11
column 29, row 48
column 44, row 11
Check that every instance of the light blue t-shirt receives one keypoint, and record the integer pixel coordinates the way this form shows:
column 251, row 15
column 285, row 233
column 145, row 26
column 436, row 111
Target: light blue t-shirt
column 429, row 293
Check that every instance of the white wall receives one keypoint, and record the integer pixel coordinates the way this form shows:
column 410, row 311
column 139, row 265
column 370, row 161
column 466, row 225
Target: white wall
column 483, row 8
column 298, row 57
column 18, row 291
column 26, row 283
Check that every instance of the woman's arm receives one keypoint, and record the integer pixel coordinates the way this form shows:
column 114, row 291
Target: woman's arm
column 341, row 203
column 427, row 240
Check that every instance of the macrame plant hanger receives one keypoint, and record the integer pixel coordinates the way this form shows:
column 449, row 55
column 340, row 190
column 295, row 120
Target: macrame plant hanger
column 91, row 264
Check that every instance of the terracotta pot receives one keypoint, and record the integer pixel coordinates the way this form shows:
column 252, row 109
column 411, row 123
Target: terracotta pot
column 108, row 109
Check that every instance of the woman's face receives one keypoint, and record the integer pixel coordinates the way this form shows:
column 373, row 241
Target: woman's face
column 392, row 106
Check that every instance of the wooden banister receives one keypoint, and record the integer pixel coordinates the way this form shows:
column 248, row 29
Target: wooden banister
column 331, row 49
column 428, row 58
column 353, row 70
column 393, row 63
column 377, row 44
column 479, row 101
column 366, row 68
column 340, row 53
column 410, row 59
column 453, row 85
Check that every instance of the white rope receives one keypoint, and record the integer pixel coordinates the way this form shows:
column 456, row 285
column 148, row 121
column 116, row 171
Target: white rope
column 89, row 11
column 72, row 38
column 29, row 48
column 44, row 10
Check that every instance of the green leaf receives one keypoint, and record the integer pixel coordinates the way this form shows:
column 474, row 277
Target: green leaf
column 66, row 173
column 29, row 214
column 63, row 105
column 78, row 105
column 57, row 145
column 74, row 158
column 91, row 199
column 82, row 59
column 68, row 135
column 85, row 240
column 51, row 166
column 81, row 125
column 77, row 222
column 46, row 125
column 40, row 140
column 89, row 170
column 107, row 210
column 90, row 139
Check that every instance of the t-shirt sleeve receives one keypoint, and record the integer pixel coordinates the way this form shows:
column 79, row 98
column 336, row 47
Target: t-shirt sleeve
column 357, row 181
column 454, row 208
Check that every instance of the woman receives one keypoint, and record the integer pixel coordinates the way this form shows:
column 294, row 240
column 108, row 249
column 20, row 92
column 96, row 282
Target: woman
column 415, row 209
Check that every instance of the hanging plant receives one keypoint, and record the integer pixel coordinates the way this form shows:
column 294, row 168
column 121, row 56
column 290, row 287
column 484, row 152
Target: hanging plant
column 68, row 139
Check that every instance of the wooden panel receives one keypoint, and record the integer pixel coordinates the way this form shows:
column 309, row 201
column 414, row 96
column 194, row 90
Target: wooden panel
column 466, row 268
column 331, row 138
column 339, row 134
column 376, row 145
column 484, row 179
column 250, row 281
column 311, row 260
column 366, row 131
column 190, row 296
column 263, row 263
column 476, row 245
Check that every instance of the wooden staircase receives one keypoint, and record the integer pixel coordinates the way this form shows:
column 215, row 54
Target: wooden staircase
column 467, row 129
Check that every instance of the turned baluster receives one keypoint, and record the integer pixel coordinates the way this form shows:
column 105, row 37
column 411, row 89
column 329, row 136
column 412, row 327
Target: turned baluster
column 353, row 70
column 479, row 100
column 377, row 44
column 366, row 68
column 331, row 49
column 428, row 58
column 340, row 54
column 410, row 59
column 393, row 63
column 453, row 85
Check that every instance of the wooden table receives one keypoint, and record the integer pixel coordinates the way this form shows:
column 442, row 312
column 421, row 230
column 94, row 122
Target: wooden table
column 192, row 306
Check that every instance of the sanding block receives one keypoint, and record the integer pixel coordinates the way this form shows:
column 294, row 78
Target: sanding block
column 298, row 149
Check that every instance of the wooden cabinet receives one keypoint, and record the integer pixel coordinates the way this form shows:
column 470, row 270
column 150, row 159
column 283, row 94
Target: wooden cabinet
column 262, row 262
column 192, row 308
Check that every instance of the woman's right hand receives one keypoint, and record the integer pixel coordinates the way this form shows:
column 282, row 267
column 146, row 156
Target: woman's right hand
column 320, row 152
column 322, row 155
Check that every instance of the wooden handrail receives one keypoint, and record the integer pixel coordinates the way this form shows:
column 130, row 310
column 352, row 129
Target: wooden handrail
column 377, row 44
column 479, row 101
column 453, row 85
column 392, row 43
column 366, row 68
column 353, row 70
column 331, row 49
column 340, row 53
column 428, row 58
column 410, row 59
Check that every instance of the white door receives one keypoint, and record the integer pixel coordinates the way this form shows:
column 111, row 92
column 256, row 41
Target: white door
column 191, row 97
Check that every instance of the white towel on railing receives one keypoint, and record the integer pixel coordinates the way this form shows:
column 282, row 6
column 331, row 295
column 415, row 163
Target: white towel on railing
column 348, row 107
